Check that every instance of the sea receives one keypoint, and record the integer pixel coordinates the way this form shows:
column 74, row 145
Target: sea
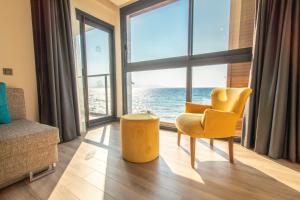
column 167, row 103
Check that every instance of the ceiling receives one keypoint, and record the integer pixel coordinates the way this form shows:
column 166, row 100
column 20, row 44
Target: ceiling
column 121, row 3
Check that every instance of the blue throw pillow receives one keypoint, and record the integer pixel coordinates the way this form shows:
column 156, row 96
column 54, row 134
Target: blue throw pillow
column 4, row 113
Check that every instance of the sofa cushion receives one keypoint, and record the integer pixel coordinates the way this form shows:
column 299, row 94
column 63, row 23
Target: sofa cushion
column 22, row 136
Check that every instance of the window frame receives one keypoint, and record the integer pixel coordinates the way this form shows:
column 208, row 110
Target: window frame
column 189, row 61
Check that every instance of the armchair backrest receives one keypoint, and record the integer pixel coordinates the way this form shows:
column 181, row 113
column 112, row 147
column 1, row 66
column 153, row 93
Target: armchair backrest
column 230, row 99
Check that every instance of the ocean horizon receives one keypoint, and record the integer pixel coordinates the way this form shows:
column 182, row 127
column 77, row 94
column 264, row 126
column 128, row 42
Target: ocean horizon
column 165, row 102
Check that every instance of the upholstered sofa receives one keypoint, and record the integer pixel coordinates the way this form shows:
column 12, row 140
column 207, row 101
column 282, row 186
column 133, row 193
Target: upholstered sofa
column 26, row 147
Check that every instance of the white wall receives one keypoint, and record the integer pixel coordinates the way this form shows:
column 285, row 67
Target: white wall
column 17, row 52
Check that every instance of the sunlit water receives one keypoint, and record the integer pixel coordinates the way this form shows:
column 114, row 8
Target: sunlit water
column 97, row 101
column 167, row 103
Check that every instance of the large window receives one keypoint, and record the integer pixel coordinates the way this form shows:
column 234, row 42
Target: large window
column 211, row 38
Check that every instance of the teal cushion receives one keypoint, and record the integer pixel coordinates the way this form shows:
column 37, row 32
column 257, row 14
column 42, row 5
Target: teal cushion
column 4, row 113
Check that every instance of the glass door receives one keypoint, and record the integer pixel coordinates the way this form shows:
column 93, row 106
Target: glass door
column 98, row 76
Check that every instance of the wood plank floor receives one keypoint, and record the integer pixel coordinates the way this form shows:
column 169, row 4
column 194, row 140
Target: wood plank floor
column 91, row 167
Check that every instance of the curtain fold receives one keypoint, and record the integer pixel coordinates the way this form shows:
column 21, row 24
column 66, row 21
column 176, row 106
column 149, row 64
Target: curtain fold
column 272, row 118
column 55, row 68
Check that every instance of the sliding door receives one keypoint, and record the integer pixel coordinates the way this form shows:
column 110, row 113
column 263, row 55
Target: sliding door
column 98, row 69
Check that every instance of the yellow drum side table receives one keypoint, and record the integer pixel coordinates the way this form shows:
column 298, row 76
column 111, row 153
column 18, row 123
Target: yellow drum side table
column 140, row 137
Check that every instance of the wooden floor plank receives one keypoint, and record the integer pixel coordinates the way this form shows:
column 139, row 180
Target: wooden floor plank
column 91, row 167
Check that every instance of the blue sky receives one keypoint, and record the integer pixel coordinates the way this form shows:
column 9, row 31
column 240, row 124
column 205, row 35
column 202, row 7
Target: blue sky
column 211, row 25
column 97, row 45
column 162, row 33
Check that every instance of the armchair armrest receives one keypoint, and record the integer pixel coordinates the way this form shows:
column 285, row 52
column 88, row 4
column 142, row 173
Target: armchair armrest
column 219, row 123
column 195, row 108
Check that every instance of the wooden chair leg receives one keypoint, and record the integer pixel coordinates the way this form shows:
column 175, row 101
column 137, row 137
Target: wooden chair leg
column 193, row 148
column 230, row 149
column 211, row 141
column 178, row 138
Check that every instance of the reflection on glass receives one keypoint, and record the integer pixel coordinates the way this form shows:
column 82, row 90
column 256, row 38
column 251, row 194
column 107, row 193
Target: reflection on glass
column 204, row 79
column 98, row 72
column 157, row 33
column 160, row 91
column 97, row 51
column 99, row 96
column 221, row 25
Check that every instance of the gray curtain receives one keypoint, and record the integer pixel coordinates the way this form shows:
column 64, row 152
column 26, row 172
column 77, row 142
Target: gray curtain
column 272, row 120
column 51, row 21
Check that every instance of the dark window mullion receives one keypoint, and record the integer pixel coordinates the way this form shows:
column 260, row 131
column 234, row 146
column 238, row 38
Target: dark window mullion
column 165, row 63
column 84, row 67
column 124, row 54
column 190, row 52
column 223, row 57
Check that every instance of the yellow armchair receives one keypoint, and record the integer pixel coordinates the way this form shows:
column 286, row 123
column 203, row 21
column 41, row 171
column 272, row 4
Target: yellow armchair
column 195, row 108
column 217, row 120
